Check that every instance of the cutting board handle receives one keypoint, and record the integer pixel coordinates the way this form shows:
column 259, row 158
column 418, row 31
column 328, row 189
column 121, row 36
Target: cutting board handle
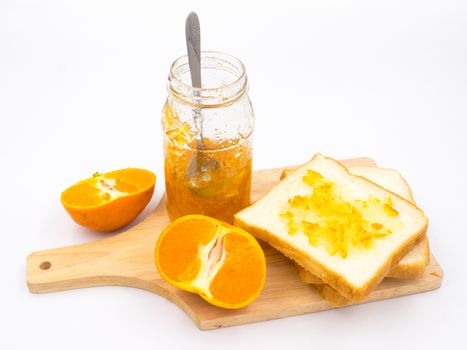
column 120, row 260
column 66, row 268
column 110, row 261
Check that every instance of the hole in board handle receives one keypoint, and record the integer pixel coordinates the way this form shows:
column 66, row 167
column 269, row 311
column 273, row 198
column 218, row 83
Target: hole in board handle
column 45, row 265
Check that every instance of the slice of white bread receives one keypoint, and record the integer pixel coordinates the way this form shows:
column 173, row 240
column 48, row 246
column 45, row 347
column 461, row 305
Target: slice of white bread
column 414, row 263
column 355, row 275
column 411, row 266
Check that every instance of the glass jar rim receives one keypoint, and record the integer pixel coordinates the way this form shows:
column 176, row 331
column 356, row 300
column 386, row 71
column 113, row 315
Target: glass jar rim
column 208, row 96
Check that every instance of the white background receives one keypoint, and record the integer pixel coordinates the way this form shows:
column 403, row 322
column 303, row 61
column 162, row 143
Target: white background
column 82, row 84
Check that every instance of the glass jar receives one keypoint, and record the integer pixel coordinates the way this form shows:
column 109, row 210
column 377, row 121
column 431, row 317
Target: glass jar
column 207, row 138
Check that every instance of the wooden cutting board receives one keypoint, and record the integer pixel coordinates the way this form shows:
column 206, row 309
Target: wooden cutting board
column 127, row 259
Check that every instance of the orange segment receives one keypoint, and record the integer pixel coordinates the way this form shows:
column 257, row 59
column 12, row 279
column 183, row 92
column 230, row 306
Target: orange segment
column 239, row 277
column 107, row 202
column 178, row 252
column 223, row 264
column 83, row 194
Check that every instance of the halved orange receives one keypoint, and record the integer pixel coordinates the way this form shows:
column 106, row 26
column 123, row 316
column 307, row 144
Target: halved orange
column 107, row 202
column 222, row 263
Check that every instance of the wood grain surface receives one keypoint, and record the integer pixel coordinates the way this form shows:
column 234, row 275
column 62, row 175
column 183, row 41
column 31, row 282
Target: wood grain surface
column 127, row 259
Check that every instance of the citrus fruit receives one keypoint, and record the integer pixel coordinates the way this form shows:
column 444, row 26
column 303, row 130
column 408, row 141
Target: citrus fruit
column 224, row 264
column 107, row 202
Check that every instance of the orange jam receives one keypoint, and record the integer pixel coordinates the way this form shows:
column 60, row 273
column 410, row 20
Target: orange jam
column 336, row 224
column 210, row 177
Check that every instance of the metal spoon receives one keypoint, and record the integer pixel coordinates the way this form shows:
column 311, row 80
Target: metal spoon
column 201, row 162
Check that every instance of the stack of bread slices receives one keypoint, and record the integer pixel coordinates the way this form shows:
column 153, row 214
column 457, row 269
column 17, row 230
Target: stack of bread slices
column 345, row 228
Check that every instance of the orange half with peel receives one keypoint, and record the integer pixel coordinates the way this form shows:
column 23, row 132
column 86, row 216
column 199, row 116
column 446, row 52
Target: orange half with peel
column 222, row 263
column 107, row 202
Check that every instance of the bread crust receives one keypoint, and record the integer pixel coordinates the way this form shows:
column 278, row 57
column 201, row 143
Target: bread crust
column 400, row 270
column 414, row 270
column 307, row 277
column 336, row 299
column 331, row 295
column 335, row 280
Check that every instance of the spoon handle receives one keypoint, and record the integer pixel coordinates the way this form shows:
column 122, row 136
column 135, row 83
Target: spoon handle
column 193, row 46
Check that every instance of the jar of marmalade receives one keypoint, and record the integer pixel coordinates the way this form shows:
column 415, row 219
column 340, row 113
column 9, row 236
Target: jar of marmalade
column 207, row 138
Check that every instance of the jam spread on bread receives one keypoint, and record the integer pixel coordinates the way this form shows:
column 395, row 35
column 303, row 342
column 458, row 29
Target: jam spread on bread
column 337, row 223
